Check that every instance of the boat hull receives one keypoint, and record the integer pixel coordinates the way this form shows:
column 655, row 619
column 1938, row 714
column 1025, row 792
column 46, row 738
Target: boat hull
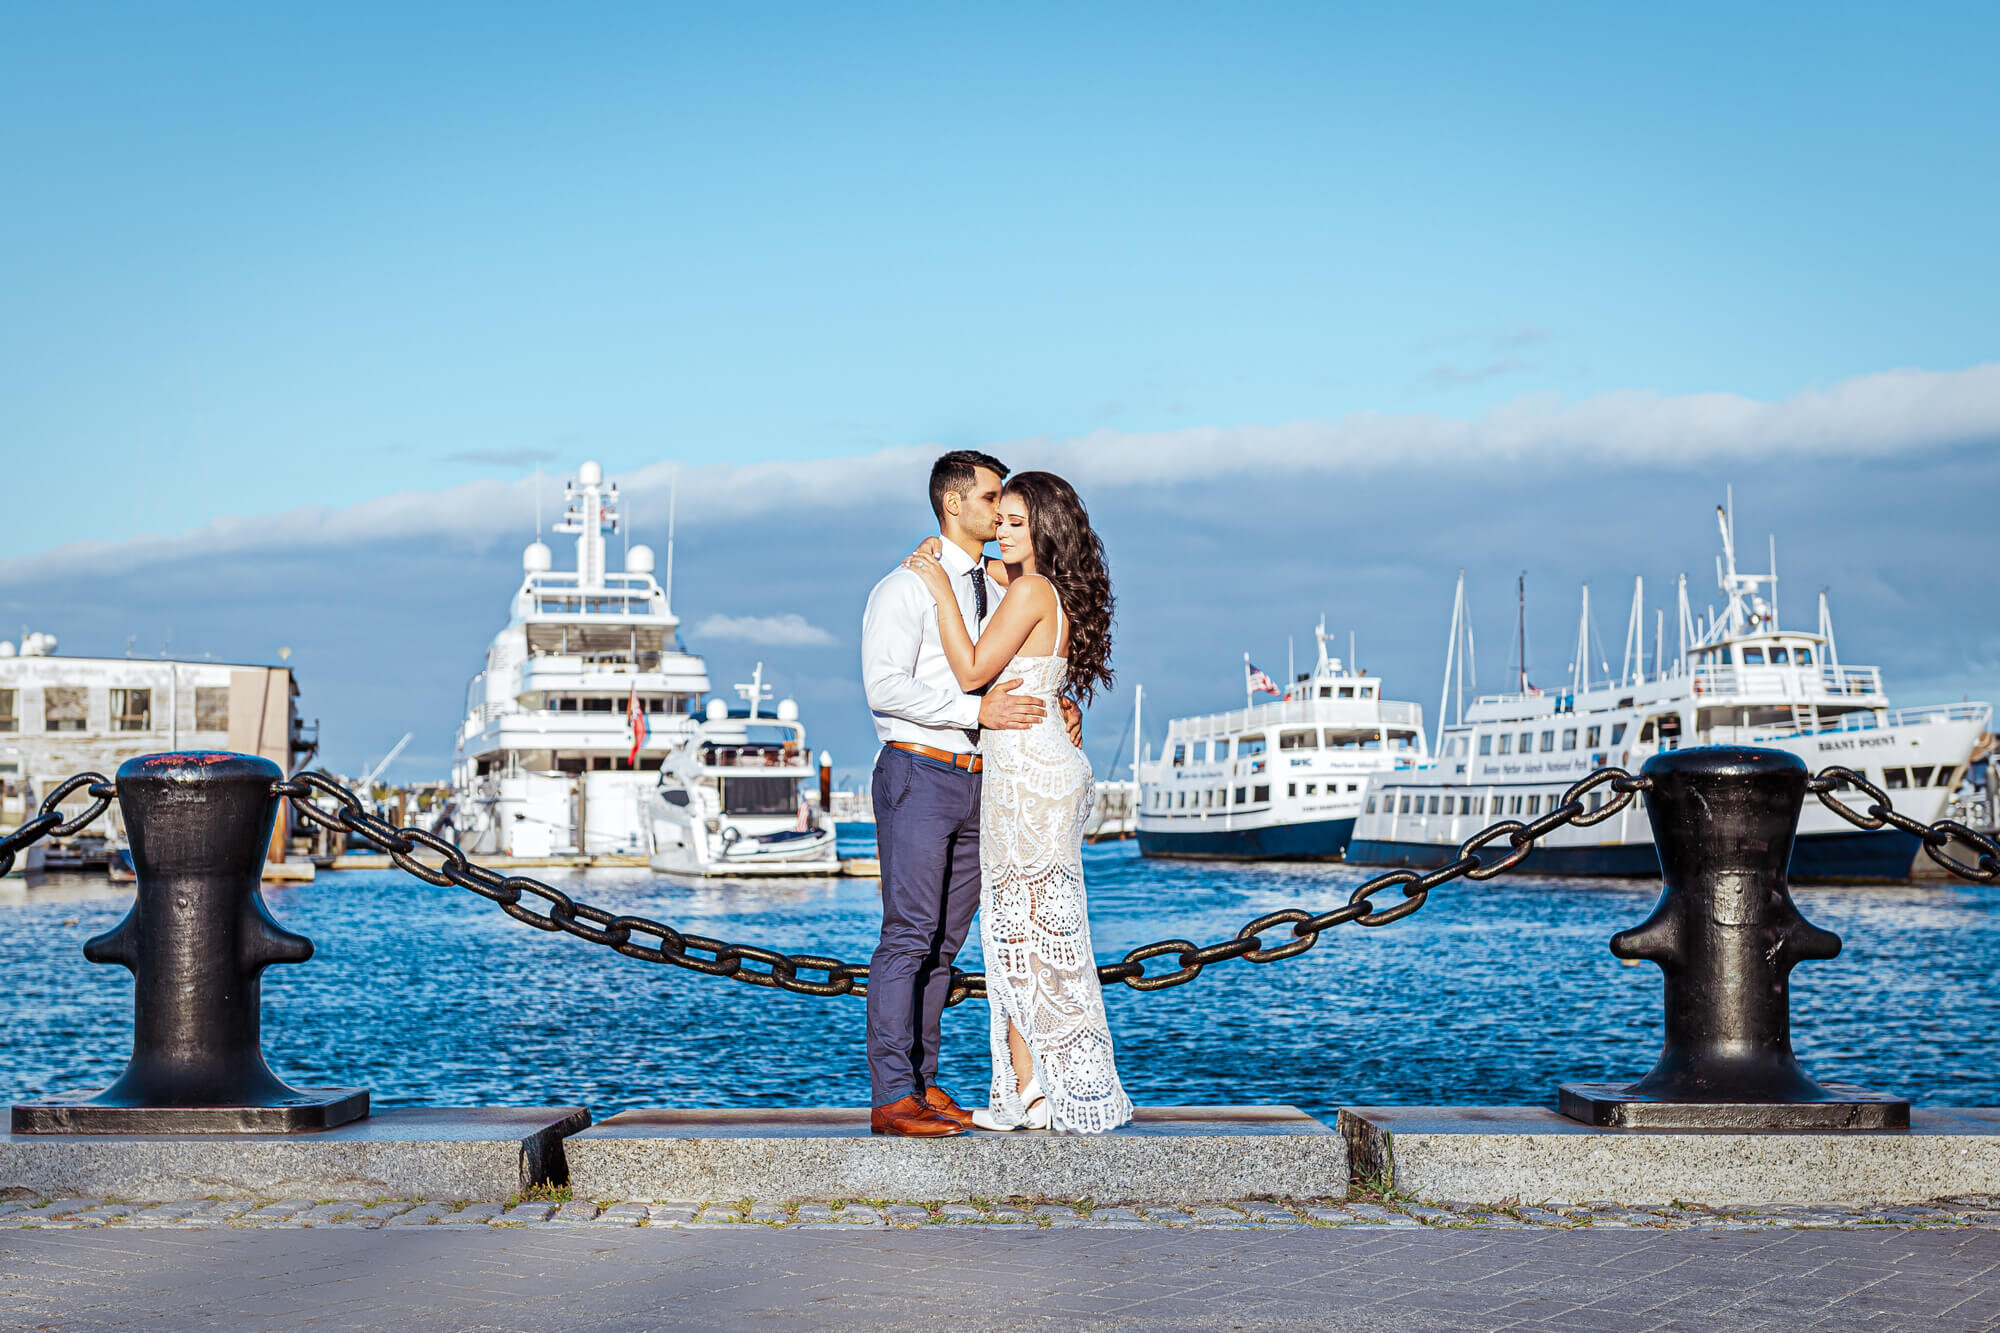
column 1318, row 840
column 1817, row 858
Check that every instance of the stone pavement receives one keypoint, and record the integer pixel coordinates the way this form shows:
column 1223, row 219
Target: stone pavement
column 603, row 1275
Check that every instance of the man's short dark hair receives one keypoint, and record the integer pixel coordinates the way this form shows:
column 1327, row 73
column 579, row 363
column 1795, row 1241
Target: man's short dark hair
column 954, row 472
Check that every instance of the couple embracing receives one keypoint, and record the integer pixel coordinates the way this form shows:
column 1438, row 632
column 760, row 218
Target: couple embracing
column 973, row 669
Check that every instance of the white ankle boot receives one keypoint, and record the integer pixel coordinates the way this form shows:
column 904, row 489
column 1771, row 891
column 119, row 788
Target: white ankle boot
column 1036, row 1116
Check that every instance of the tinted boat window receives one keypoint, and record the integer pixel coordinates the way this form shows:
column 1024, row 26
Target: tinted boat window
column 1802, row 656
column 1779, row 656
column 1753, row 657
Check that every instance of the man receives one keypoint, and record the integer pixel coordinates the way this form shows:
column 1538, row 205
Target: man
column 926, row 793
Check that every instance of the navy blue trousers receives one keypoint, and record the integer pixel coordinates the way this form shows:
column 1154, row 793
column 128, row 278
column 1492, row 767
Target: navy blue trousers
column 927, row 837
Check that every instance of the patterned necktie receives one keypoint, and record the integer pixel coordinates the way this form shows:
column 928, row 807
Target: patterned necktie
column 979, row 592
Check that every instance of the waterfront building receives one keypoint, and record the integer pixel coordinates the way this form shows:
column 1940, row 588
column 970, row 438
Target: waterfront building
column 1737, row 678
column 63, row 715
column 1279, row 781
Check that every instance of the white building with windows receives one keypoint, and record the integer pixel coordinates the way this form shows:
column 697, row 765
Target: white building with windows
column 64, row 715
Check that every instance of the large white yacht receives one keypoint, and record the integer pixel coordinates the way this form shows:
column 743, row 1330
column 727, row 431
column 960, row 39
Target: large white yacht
column 732, row 800
column 584, row 692
column 1737, row 679
column 1277, row 781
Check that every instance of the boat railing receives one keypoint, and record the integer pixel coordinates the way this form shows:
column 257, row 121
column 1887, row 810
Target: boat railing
column 1981, row 713
column 1347, row 713
column 1786, row 681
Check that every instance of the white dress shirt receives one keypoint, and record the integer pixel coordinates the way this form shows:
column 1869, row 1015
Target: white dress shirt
column 911, row 687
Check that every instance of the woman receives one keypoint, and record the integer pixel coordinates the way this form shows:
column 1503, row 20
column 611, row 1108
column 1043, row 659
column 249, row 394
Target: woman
column 1052, row 1058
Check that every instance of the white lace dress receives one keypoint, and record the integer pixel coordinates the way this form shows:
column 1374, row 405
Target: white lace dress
column 1034, row 927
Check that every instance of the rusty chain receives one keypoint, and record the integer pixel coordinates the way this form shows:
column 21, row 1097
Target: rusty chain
column 1935, row 837
column 782, row 971
column 48, row 821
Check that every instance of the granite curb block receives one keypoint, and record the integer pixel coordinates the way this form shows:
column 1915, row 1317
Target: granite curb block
column 1510, row 1154
column 1167, row 1155
column 424, row 1152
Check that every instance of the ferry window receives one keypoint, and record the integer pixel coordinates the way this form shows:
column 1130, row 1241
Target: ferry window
column 1326, row 691
column 1778, row 656
column 1249, row 745
column 211, row 708
column 1802, row 656
column 565, row 705
column 1728, row 657
column 1222, row 750
column 1307, row 739
column 63, row 708
column 1403, row 739
column 1478, row 805
column 1262, row 794
column 1371, row 805
column 1239, row 794
column 1569, row 738
column 1646, row 734
column 1368, row 691
column 1517, row 805
column 1920, row 776
column 1434, row 805
column 1534, row 804
column 131, row 710
column 1180, row 755
column 1291, row 789
column 1486, row 744
column 1347, row 691
column 1594, row 737
column 1506, row 744
column 1312, row 789
column 1895, row 777
column 1200, row 754
column 1753, row 657
column 1947, row 776
column 1406, row 804
column 1352, row 786
column 1617, row 732
column 1548, row 741
column 8, row 721
column 1527, row 742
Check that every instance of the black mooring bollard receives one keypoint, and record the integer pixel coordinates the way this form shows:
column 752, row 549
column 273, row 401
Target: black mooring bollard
column 1727, row 934
column 197, row 941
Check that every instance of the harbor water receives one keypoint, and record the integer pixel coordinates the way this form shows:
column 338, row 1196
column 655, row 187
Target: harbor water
column 1492, row 994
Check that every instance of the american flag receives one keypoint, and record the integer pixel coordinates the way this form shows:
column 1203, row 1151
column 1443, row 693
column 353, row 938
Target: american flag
column 636, row 716
column 1257, row 682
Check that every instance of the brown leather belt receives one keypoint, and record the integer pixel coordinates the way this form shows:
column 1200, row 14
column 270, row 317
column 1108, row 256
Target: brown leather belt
column 969, row 762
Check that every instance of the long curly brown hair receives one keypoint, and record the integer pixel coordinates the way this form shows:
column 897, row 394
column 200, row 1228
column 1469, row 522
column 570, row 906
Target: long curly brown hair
column 1069, row 553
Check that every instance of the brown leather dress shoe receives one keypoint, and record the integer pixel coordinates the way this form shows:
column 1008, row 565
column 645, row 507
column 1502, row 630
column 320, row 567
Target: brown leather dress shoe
column 944, row 1104
column 912, row 1119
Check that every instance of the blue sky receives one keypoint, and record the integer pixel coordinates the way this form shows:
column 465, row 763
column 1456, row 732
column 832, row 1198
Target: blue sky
column 259, row 259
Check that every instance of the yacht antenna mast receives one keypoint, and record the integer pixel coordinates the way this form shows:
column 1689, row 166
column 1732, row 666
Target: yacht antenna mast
column 1579, row 673
column 1634, row 669
column 1521, row 630
column 673, row 503
column 1451, row 656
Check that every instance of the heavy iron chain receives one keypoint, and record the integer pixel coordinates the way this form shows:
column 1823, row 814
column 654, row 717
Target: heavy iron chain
column 1935, row 837
column 49, row 823
column 616, row 930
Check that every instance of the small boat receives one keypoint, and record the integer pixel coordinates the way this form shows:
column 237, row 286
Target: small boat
column 732, row 799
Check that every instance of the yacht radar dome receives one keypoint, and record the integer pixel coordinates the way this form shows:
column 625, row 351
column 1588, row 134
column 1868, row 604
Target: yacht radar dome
column 717, row 710
column 536, row 559
column 589, row 474
column 788, row 710
column 639, row 560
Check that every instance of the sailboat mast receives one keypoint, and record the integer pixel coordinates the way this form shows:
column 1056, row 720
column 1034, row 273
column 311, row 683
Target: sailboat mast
column 1521, row 631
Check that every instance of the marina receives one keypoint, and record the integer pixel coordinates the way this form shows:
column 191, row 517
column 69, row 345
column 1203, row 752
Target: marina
column 1734, row 678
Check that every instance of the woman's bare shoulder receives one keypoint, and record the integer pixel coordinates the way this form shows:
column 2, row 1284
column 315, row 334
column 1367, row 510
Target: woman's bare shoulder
column 996, row 572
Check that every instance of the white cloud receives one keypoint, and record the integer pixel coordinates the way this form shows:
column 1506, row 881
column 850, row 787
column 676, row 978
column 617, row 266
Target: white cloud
column 787, row 631
column 1895, row 412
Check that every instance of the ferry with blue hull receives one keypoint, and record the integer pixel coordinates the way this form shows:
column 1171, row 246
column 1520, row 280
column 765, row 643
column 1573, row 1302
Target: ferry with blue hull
column 1737, row 678
column 1280, row 781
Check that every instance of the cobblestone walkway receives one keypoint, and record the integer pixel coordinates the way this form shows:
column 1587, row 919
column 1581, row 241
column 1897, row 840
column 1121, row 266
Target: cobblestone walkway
column 1410, row 1277
column 1978, row 1213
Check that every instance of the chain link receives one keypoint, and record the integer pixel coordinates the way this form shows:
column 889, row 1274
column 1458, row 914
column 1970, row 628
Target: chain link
column 48, row 821
column 757, row 966
column 1882, row 813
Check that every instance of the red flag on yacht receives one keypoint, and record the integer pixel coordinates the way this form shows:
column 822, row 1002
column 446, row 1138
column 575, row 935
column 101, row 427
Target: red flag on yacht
column 636, row 716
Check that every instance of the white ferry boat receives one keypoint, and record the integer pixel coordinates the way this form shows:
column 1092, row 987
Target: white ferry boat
column 584, row 693
column 1277, row 781
column 1738, row 679
column 732, row 799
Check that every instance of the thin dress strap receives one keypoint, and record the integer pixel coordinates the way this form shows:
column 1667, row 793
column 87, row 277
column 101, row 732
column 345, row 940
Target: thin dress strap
column 1059, row 609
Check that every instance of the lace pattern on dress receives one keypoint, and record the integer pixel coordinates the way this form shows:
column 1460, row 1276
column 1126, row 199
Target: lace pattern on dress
column 1034, row 922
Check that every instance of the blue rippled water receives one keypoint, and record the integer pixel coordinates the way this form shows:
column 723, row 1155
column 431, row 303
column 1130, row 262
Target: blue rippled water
column 1492, row 994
